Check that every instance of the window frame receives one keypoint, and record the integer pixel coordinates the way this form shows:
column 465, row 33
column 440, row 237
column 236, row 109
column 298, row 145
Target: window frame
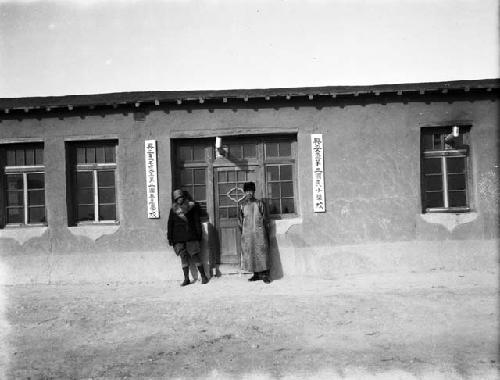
column 23, row 170
column 460, row 152
column 93, row 168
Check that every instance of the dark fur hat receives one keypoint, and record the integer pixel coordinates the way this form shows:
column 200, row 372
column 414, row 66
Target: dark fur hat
column 249, row 186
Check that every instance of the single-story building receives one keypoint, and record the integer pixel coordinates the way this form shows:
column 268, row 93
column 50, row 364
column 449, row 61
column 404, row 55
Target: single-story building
column 380, row 178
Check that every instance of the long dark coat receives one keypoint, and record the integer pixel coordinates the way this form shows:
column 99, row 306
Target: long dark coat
column 184, row 229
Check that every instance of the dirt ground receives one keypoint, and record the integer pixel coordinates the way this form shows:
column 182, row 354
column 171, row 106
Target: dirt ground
column 436, row 325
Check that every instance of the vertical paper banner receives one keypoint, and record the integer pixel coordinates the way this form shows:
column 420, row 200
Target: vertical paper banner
column 151, row 179
column 319, row 204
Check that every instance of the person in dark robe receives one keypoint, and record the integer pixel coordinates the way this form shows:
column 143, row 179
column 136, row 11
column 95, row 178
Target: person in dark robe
column 252, row 221
column 184, row 234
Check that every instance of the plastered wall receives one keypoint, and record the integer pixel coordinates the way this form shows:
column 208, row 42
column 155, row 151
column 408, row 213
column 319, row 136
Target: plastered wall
column 372, row 182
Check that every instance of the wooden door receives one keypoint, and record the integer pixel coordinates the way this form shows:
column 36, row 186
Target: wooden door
column 228, row 183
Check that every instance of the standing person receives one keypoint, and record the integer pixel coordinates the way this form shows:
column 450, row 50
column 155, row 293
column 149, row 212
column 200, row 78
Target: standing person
column 184, row 234
column 252, row 220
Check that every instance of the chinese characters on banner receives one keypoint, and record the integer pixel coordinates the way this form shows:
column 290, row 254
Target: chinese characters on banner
column 151, row 179
column 319, row 203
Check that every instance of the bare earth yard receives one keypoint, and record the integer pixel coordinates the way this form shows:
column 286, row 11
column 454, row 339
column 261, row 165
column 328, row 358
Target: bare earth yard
column 421, row 325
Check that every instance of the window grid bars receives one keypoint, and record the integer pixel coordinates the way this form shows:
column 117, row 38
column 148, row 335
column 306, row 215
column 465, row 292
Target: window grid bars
column 25, row 196
column 445, row 181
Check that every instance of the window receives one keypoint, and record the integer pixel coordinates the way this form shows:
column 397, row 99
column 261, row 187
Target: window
column 93, row 174
column 192, row 171
column 279, row 177
column 445, row 162
column 24, row 184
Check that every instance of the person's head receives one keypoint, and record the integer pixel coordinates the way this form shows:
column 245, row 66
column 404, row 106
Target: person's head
column 178, row 196
column 249, row 189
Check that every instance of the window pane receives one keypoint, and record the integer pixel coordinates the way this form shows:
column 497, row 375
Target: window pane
column 286, row 172
column 273, row 190
column 222, row 176
column 287, row 206
column 186, row 177
column 85, row 196
column 427, row 142
column 199, row 193
column 20, row 157
column 38, row 156
column 199, row 153
column 457, row 199
column 235, row 150
column 249, row 150
column 90, row 155
column 106, row 178
column 199, row 176
column 455, row 165
column 273, row 173
column 434, row 199
column 80, row 155
column 432, row 165
column 225, row 201
column 274, row 206
column 15, row 215
column 15, row 198
column 100, row 155
column 285, row 148
column 232, row 212
column 106, row 195
column 287, row 189
column 109, row 154
column 437, row 141
column 456, row 182
column 14, row 181
column 231, row 176
column 30, row 156
column 459, row 141
column 433, row 182
column 107, row 212
column 185, row 153
column 224, row 188
column 36, row 198
column 36, row 181
column 36, row 214
column 11, row 157
column 242, row 176
column 85, row 179
column 271, row 150
column 85, row 212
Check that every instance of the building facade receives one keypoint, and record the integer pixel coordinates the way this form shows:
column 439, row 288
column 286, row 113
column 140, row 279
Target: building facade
column 384, row 178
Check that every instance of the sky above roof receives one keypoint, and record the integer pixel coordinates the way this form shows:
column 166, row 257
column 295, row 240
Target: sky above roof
column 87, row 47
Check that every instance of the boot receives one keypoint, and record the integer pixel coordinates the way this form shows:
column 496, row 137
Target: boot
column 255, row 277
column 204, row 278
column 265, row 277
column 186, row 276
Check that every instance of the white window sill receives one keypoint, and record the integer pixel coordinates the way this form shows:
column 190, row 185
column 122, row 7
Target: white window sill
column 448, row 219
column 22, row 233
column 94, row 231
column 281, row 226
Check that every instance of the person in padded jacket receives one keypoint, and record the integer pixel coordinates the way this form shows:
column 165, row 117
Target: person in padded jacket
column 184, row 233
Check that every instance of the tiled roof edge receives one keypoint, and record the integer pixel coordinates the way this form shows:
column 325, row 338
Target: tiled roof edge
column 119, row 98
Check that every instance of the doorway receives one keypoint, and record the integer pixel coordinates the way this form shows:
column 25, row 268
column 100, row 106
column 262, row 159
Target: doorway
column 228, row 186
